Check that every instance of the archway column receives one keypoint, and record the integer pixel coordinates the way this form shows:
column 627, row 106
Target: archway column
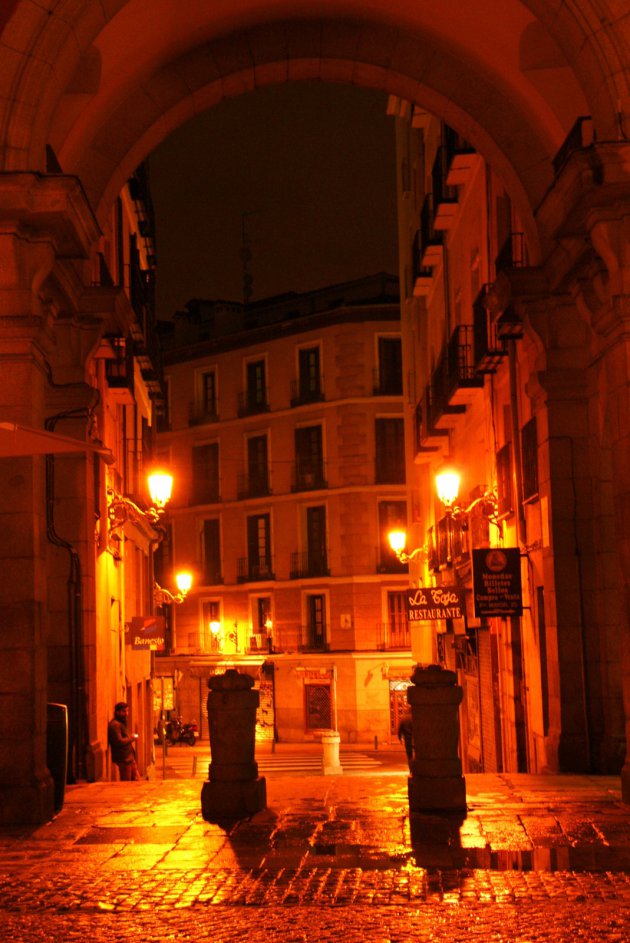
column 609, row 298
column 46, row 228
column 558, row 385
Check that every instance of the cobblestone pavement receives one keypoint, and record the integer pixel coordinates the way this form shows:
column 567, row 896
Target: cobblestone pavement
column 536, row 859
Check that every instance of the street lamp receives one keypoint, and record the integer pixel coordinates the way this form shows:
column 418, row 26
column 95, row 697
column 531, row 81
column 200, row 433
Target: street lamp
column 163, row 597
column 447, row 484
column 217, row 630
column 398, row 543
column 121, row 509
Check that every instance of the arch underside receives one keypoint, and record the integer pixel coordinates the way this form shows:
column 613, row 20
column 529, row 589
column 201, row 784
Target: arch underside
column 103, row 87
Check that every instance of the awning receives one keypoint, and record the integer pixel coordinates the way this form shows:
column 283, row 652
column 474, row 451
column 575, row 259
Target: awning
column 16, row 440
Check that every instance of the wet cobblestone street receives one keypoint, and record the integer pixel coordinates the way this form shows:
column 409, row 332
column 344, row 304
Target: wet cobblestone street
column 536, row 859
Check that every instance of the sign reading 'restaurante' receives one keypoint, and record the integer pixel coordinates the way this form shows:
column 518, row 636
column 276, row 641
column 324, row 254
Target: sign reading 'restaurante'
column 427, row 603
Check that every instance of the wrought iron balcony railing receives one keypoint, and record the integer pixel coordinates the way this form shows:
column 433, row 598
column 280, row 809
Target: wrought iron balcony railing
column 247, row 572
column 305, row 564
column 392, row 635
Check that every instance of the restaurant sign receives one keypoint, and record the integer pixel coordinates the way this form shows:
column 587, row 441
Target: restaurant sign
column 146, row 632
column 428, row 603
column 497, row 581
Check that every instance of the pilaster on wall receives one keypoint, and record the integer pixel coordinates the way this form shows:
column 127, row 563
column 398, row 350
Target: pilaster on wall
column 585, row 220
column 46, row 232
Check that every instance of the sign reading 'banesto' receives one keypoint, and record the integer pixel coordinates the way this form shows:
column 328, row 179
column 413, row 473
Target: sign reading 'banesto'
column 427, row 603
column 146, row 632
column 497, row 581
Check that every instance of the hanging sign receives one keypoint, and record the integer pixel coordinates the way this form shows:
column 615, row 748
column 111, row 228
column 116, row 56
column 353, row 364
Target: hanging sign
column 146, row 632
column 428, row 603
column 497, row 581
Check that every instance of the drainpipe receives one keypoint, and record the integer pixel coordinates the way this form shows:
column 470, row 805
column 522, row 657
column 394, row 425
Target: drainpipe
column 78, row 705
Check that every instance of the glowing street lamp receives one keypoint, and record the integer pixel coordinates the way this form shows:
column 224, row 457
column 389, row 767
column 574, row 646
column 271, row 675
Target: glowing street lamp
column 163, row 597
column 447, row 483
column 160, row 488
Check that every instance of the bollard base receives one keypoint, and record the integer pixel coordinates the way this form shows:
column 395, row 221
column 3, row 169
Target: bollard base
column 437, row 794
column 233, row 800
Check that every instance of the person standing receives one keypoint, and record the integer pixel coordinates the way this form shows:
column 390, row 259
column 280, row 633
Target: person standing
column 122, row 744
column 405, row 733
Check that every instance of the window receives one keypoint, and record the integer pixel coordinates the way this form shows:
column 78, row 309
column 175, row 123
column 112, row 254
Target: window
column 259, row 546
column 317, row 706
column 398, row 629
column 504, row 479
column 205, row 473
column 211, row 552
column 209, row 393
column 255, row 398
column 309, row 383
column 315, row 629
column 529, row 458
column 257, row 466
column 309, row 458
column 211, row 613
column 316, row 541
column 390, row 451
column 389, row 366
column 392, row 515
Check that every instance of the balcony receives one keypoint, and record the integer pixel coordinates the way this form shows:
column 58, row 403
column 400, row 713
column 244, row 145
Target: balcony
column 119, row 370
column 581, row 135
column 202, row 413
column 429, row 438
column 252, row 402
column 422, row 278
column 205, row 492
column 513, row 253
column 303, row 393
column 313, row 639
column 253, row 485
column 488, row 349
column 431, row 239
column 308, row 476
column 247, row 572
column 394, row 635
column 305, row 564
column 444, row 196
column 454, row 379
column 460, row 158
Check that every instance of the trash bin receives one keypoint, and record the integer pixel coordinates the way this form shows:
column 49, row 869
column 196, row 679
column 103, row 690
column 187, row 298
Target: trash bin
column 57, row 749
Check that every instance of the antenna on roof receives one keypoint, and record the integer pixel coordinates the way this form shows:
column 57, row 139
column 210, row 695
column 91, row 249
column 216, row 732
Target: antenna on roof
column 246, row 258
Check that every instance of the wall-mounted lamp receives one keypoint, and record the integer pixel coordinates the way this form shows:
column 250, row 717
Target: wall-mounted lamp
column 163, row 597
column 121, row 509
column 217, row 631
column 398, row 543
column 447, row 484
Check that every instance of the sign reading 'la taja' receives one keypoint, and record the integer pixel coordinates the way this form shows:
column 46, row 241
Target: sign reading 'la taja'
column 428, row 603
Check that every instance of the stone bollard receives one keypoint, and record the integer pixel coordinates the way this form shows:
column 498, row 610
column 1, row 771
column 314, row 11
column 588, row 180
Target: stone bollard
column 234, row 789
column 436, row 782
column 330, row 753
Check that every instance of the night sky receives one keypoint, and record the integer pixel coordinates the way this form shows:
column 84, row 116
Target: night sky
column 308, row 168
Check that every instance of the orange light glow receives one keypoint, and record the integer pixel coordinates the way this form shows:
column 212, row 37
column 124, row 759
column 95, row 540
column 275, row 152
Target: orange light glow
column 183, row 581
column 160, row 488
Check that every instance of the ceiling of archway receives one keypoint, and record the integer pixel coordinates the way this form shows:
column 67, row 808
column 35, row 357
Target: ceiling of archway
column 125, row 78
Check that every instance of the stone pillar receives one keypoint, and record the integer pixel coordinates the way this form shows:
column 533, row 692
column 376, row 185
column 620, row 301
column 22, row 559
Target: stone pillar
column 436, row 783
column 47, row 229
column 330, row 753
column 234, row 789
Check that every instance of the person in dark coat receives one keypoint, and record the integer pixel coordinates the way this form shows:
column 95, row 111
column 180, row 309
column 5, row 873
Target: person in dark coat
column 122, row 744
column 405, row 734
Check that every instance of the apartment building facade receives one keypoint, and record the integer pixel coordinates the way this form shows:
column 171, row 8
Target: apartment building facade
column 486, row 393
column 286, row 436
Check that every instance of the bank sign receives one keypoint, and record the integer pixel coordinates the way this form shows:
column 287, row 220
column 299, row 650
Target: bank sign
column 146, row 632
column 497, row 581
column 428, row 603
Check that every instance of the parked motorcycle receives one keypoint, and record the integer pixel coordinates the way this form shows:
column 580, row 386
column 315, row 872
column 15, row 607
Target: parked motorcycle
column 178, row 732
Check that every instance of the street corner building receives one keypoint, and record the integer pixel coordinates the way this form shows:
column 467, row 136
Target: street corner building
column 303, row 430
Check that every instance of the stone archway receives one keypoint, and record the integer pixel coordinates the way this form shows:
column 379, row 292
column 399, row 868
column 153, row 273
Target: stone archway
column 102, row 83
